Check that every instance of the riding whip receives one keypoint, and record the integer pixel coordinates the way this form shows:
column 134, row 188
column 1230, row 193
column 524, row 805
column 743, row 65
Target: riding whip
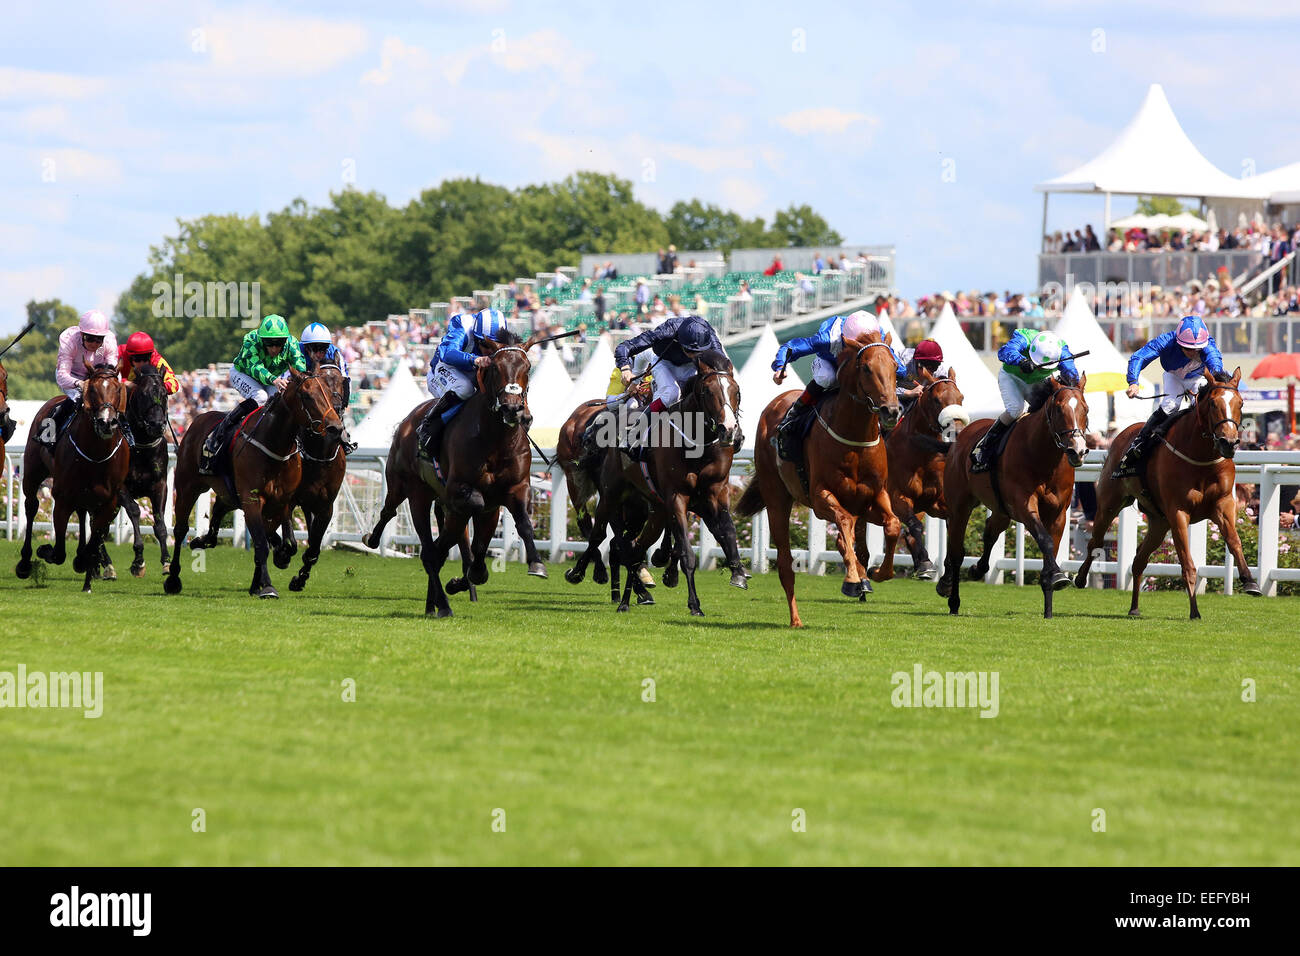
column 27, row 328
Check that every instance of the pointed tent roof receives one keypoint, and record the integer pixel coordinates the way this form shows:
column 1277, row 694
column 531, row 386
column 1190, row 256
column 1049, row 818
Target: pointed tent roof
column 1106, row 368
column 593, row 380
column 756, row 386
column 1152, row 156
column 979, row 387
column 549, row 386
column 400, row 395
column 1281, row 186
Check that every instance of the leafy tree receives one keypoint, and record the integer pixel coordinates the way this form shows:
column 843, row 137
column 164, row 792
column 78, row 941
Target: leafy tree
column 801, row 226
column 694, row 225
column 30, row 363
column 1154, row 205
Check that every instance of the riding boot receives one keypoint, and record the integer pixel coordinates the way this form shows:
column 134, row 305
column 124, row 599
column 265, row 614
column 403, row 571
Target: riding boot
column 1153, row 428
column 987, row 447
column 126, row 431
column 61, row 415
column 590, row 450
column 790, row 427
column 429, row 431
column 217, row 437
column 637, row 448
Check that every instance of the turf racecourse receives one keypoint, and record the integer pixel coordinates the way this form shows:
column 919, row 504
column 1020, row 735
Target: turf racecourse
column 531, row 702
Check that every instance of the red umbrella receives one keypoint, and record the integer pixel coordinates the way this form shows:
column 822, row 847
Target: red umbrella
column 1282, row 365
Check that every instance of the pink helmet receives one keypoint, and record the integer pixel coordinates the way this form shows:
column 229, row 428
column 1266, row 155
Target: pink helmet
column 93, row 322
column 858, row 324
column 1192, row 333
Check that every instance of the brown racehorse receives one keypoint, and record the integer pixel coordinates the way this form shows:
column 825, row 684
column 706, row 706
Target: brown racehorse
column 1034, row 485
column 146, row 414
column 264, row 471
column 484, row 465
column 583, row 486
column 1190, row 477
column 324, row 464
column 7, row 425
column 846, row 466
column 917, row 453
column 89, row 464
column 680, row 478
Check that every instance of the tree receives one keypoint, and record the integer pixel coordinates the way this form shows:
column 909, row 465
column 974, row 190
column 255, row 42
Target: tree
column 801, row 226
column 1154, row 205
column 30, row 363
column 694, row 225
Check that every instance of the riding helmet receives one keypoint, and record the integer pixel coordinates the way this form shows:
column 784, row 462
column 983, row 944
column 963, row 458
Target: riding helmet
column 139, row 343
column 693, row 336
column 315, row 334
column 273, row 327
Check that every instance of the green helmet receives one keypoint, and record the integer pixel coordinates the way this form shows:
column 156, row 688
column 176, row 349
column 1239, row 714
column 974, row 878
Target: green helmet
column 273, row 327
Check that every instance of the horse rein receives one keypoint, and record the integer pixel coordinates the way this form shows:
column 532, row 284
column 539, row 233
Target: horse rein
column 710, row 423
column 511, row 388
column 871, row 403
column 1062, row 437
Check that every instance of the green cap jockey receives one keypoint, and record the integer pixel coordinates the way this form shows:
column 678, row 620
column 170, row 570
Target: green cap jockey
column 254, row 360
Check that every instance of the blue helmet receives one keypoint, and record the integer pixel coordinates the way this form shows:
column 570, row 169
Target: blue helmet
column 315, row 334
column 693, row 335
column 489, row 324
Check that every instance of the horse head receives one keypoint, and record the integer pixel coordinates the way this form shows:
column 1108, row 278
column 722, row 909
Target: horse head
column 1218, row 410
column 717, row 396
column 506, row 380
column 103, row 399
column 4, row 397
column 311, row 406
column 334, row 381
column 868, row 374
column 146, row 408
column 941, row 402
column 1066, row 409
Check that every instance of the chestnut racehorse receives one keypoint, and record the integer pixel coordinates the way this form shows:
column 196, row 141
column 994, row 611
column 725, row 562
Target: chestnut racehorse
column 264, row 471
column 484, row 465
column 1032, row 482
column 917, row 452
column 677, row 477
column 89, row 464
column 7, row 424
column 848, row 472
column 1189, row 478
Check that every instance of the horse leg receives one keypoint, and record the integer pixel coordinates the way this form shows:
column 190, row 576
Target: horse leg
column 914, row 538
column 1052, row 578
column 79, row 556
column 846, row 524
column 893, row 527
column 1178, row 524
column 1157, row 528
column 680, row 526
column 1225, row 516
column 58, row 552
column 137, row 539
column 485, row 522
column 255, row 521
column 186, row 496
column 717, row 517
column 863, row 554
column 993, row 528
column 317, row 522
column 158, row 501
column 517, row 503
column 949, row 585
column 599, row 525
column 434, row 555
column 778, row 523
column 99, row 523
column 392, row 501
column 599, row 573
column 1110, row 502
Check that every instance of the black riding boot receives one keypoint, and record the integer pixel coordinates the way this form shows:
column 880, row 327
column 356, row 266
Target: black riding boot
column 1142, row 443
column 60, row 416
column 429, row 431
column 590, row 449
column 217, row 437
column 984, row 451
column 129, row 435
column 792, row 424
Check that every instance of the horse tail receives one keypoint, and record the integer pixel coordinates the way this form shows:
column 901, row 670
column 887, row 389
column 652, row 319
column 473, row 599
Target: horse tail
column 751, row 501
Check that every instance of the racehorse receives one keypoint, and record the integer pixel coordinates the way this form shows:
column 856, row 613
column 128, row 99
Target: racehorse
column 323, row 466
column 583, row 486
column 917, row 452
column 89, row 464
column 7, row 424
column 1032, row 482
column 847, row 468
column 263, row 472
column 146, row 415
column 483, row 465
column 694, row 474
column 1189, row 477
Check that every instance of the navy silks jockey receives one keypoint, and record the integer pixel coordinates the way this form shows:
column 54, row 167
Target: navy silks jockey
column 676, row 342
column 1185, row 354
column 825, row 346
column 453, row 370
column 318, row 348
column 1028, row 358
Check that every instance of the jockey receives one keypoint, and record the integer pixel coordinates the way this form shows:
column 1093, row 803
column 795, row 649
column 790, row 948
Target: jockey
column 825, row 346
column 635, row 395
column 83, row 346
column 138, row 353
column 927, row 355
column 318, row 348
column 1028, row 358
column 1185, row 355
column 265, row 357
column 452, row 377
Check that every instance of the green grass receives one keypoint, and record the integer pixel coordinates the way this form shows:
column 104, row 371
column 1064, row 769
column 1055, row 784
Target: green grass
column 530, row 701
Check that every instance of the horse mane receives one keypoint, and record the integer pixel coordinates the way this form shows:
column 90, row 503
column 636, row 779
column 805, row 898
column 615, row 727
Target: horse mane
column 715, row 361
column 504, row 337
column 1039, row 395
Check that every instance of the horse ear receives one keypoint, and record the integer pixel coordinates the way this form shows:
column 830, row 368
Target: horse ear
column 952, row 375
column 533, row 340
column 122, row 394
column 925, row 375
column 489, row 345
column 1083, row 381
column 1236, row 377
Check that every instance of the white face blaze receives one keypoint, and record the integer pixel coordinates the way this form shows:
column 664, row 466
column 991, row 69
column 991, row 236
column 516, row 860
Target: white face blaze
column 1227, row 404
column 1077, row 442
column 728, row 416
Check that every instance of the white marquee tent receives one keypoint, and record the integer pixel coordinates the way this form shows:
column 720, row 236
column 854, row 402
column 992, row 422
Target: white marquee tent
column 549, row 386
column 979, row 387
column 593, row 380
column 1105, row 366
column 400, row 395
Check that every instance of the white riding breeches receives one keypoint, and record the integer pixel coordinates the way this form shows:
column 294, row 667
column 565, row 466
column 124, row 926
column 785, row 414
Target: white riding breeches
column 1015, row 395
column 823, row 372
column 444, row 378
column 668, row 380
column 73, row 393
column 249, row 387
column 1175, row 384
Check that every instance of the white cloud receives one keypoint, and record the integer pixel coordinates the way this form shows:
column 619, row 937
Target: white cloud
column 743, row 195
column 19, row 286
column 426, row 123
column 823, row 119
column 252, row 44
column 19, row 84
column 395, row 53
column 709, row 159
column 77, row 165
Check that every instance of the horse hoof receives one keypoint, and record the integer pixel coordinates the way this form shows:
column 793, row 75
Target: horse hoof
column 1135, row 613
column 478, row 573
column 600, row 575
column 942, row 588
column 975, row 573
column 621, row 609
column 457, row 586
column 268, row 592
column 926, row 573
column 1060, row 580
column 137, row 570
column 852, row 589
column 538, row 570
column 297, row 584
column 23, row 569
column 46, row 553
column 660, row 557
column 282, row 560
column 573, row 578
column 670, row 576
column 1253, row 589
column 738, row 580
column 371, row 541
column 646, row 578
column 1080, row 580
column 172, row 585
column 108, row 573
column 644, row 600
column 696, row 612
column 438, row 611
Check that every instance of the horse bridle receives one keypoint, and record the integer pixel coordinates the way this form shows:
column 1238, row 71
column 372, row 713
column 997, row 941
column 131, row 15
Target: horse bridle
column 1063, row 436
column 711, row 424
column 868, row 401
column 510, row 388
column 159, row 403
column 1216, row 423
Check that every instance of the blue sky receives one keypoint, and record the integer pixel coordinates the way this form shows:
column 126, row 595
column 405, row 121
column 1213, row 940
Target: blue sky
column 118, row 118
